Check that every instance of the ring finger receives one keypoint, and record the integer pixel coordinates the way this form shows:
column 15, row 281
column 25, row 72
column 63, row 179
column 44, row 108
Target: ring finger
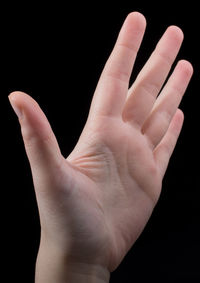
column 167, row 103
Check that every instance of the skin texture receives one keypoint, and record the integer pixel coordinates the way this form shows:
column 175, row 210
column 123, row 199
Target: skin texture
column 95, row 203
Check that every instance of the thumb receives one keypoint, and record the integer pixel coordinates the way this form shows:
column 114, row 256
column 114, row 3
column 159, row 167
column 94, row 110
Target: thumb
column 40, row 143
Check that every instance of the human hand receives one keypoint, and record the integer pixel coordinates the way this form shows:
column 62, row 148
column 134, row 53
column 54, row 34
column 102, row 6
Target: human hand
column 94, row 204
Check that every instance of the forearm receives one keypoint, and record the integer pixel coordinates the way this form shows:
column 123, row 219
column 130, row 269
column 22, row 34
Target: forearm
column 54, row 268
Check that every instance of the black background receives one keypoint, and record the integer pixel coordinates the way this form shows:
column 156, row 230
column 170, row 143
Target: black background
column 56, row 53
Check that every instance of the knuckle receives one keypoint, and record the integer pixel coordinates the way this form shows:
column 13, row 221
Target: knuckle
column 31, row 138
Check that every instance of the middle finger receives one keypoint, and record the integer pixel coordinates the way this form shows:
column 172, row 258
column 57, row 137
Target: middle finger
column 143, row 93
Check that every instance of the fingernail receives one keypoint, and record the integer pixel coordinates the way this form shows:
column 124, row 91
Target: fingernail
column 16, row 109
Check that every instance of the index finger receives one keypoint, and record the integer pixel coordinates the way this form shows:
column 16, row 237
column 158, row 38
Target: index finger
column 113, row 85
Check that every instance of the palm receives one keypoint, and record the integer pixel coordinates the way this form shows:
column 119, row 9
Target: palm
column 104, row 193
column 114, row 162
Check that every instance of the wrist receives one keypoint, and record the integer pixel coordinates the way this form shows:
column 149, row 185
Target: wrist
column 54, row 266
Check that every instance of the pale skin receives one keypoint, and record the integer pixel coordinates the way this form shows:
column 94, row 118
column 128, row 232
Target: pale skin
column 95, row 203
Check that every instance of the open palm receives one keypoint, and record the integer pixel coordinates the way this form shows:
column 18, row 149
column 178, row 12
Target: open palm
column 96, row 202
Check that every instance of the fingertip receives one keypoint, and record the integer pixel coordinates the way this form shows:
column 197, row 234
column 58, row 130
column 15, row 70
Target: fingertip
column 15, row 101
column 22, row 100
column 28, row 111
column 176, row 32
column 180, row 114
column 177, row 121
column 15, row 95
column 186, row 66
column 18, row 98
column 137, row 19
